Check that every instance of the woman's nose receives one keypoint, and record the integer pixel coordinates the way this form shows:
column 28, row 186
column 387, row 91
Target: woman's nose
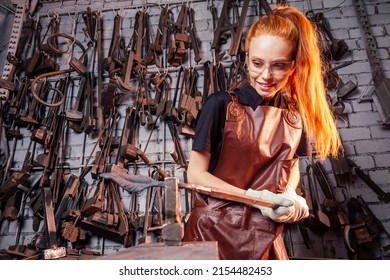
column 267, row 74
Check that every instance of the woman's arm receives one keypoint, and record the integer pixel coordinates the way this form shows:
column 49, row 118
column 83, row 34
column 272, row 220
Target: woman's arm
column 295, row 175
column 198, row 173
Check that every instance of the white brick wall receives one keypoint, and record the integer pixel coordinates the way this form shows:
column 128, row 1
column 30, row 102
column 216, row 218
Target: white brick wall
column 365, row 140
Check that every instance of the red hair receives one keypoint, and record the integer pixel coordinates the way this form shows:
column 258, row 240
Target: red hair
column 306, row 84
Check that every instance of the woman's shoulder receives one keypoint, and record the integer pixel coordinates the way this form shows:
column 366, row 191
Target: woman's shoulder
column 221, row 98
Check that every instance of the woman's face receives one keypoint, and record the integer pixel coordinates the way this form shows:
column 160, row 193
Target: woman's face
column 270, row 64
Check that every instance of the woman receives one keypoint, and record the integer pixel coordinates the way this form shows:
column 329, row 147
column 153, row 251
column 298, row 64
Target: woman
column 248, row 139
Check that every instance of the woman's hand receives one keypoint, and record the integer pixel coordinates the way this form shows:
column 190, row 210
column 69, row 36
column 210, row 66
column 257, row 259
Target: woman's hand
column 292, row 207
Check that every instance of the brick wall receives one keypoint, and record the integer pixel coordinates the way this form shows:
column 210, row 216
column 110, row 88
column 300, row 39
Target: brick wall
column 365, row 139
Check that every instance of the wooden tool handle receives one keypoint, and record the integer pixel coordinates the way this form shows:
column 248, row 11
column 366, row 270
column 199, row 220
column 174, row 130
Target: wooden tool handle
column 226, row 195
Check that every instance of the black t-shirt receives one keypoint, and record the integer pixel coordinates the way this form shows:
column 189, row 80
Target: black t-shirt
column 211, row 122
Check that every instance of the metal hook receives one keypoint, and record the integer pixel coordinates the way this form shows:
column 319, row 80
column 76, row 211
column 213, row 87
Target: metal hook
column 76, row 16
column 56, row 15
column 17, row 80
column 114, row 10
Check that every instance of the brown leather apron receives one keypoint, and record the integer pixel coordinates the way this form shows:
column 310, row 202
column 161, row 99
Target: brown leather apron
column 258, row 152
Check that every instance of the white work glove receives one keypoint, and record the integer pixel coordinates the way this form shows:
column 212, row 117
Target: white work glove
column 292, row 207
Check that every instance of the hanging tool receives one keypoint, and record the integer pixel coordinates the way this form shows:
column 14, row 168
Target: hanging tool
column 224, row 24
column 382, row 195
column 381, row 93
column 337, row 47
column 16, row 31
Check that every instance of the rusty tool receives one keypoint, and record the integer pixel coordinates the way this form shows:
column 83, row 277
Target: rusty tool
column 381, row 93
column 136, row 183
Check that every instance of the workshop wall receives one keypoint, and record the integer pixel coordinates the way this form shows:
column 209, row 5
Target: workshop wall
column 361, row 120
